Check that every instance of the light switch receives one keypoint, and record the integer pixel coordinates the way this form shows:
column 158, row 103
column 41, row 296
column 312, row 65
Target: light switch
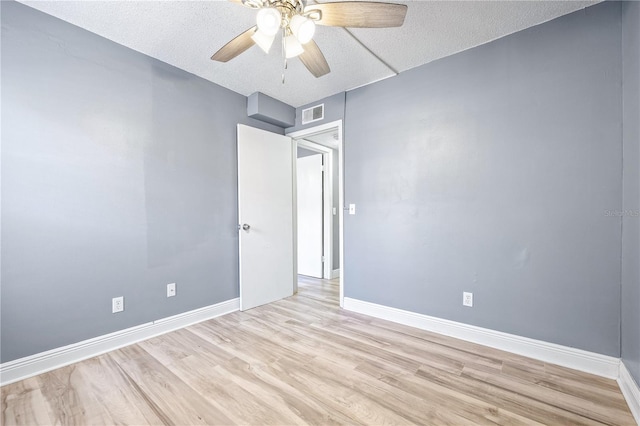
column 352, row 209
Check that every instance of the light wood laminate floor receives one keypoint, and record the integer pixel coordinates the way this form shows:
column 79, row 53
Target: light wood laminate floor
column 303, row 360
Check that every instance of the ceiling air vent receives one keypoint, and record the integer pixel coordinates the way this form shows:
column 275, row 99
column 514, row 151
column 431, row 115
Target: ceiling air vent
column 312, row 114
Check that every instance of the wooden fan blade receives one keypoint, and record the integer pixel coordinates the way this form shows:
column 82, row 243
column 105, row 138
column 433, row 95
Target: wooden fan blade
column 235, row 46
column 359, row 14
column 314, row 60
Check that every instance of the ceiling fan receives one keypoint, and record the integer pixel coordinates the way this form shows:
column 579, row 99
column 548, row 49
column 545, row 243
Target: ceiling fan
column 296, row 21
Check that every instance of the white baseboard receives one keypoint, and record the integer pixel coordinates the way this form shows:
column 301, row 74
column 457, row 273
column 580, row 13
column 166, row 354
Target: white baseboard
column 630, row 390
column 335, row 273
column 590, row 362
column 23, row 368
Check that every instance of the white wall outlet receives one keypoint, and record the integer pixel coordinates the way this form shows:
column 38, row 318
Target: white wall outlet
column 117, row 304
column 467, row 299
column 352, row 209
column 171, row 290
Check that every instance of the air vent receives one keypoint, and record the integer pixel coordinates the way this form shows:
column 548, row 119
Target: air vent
column 312, row 114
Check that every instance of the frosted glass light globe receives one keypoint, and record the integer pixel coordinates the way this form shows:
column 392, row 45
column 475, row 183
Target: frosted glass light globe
column 292, row 47
column 303, row 28
column 263, row 40
column 268, row 21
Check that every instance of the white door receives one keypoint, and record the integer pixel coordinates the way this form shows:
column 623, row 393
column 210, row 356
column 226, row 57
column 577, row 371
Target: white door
column 265, row 212
column 309, row 171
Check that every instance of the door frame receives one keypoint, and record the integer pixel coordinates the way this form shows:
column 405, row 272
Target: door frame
column 301, row 134
column 327, row 203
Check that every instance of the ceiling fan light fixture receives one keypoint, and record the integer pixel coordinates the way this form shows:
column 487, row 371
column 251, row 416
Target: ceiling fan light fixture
column 264, row 41
column 297, row 20
column 303, row 28
column 292, row 47
column 268, row 21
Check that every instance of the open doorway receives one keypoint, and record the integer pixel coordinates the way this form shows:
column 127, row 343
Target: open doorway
column 320, row 206
column 311, row 192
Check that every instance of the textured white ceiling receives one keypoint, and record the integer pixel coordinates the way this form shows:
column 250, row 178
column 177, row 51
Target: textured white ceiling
column 186, row 33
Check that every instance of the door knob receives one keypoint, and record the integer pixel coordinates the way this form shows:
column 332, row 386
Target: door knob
column 245, row 227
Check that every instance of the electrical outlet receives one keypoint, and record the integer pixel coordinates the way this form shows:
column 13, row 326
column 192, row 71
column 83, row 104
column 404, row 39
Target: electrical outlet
column 352, row 209
column 117, row 304
column 467, row 299
column 171, row 290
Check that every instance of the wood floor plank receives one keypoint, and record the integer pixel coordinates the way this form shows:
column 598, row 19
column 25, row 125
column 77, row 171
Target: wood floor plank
column 173, row 400
column 24, row 404
column 69, row 398
column 114, row 392
column 505, row 398
column 240, row 405
column 578, row 386
column 594, row 409
column 466, row 406
column 338, row 395
column 374, row 392
column 303, row 360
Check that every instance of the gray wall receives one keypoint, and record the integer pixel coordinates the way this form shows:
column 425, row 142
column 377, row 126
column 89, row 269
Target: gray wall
column 118, row 177
column 490, row 171
column 631, row 185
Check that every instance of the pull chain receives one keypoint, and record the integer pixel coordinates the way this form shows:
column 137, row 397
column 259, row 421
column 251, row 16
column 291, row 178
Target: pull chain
column 284, row 55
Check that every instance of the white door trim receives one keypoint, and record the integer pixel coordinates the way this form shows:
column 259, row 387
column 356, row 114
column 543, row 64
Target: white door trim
column 320, row 129
column 327, row 197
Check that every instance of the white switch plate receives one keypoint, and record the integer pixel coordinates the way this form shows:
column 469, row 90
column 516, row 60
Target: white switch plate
column 467, row 299
column 171, row 290
column 352, row 209
column 117, row 304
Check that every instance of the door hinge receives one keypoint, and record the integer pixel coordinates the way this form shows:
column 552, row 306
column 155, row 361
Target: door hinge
column 322, row 258
column 321, row 168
